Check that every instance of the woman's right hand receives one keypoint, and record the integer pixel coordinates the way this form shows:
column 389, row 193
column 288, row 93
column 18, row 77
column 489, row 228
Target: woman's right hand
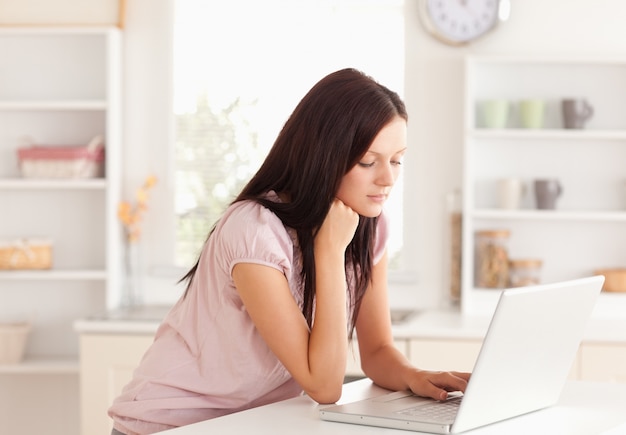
column 338, row 228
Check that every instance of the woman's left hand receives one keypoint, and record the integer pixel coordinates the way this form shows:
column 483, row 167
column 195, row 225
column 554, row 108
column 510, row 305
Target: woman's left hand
column 436, row 385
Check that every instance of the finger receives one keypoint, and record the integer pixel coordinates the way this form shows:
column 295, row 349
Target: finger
column 462, row 375
column 432, row 391
column 436, row 385
column 451, row 381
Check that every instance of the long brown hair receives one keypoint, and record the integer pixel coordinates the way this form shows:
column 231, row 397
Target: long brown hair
column 329, row 131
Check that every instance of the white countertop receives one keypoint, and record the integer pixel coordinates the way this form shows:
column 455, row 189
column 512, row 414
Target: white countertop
column 435, row 324
column 141, row 320
column 584, row 408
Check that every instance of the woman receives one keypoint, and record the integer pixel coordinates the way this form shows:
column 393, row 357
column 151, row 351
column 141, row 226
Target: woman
column 293, row 267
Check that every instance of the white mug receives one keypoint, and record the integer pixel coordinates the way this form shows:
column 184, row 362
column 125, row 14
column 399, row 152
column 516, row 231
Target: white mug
column 510, row 193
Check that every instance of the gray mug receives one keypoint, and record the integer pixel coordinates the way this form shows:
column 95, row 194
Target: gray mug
column 576, row 112
column 547, row 191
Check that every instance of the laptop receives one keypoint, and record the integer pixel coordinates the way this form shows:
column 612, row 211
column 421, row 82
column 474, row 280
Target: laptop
column 525, row 359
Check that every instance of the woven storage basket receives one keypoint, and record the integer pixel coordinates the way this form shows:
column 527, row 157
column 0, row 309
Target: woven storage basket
column 26, row 254
column 42, row 161
column 13, row 337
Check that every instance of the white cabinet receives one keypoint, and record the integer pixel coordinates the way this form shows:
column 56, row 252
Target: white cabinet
column 58, row 86
column 456, row 354
column 444, row 354
column 603, row 362
column 107, row 362
column 587, row 230
column 353, row 365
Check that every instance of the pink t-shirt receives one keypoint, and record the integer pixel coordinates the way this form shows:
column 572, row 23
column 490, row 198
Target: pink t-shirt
column 207, row 358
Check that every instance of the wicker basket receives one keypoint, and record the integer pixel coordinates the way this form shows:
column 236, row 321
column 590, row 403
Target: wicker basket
column 26, row 254
column 13, row 338
column 41, row 161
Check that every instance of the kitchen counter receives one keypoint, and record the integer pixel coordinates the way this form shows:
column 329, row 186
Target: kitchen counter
column 435, row 324
column 451, row 324
column 140, row 320
column 112, row 345
column 583, row 408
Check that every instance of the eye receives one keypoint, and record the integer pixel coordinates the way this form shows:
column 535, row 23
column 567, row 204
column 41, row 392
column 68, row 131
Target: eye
column 366, row 165
column 396, row 162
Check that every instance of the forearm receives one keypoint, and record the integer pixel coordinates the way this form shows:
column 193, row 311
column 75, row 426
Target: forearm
column 388, row 368
column 328, row 340
column 327, row 346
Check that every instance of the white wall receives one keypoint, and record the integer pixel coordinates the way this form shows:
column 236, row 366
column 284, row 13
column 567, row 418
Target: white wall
column 148, row 133
column 434, row 96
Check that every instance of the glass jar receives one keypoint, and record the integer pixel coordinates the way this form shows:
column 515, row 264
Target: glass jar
column 453, row 245
column 492, row 259
column 524, row 272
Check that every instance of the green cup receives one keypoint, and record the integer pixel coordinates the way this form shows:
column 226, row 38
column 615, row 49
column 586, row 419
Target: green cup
column 532, row 113
column 495, row 113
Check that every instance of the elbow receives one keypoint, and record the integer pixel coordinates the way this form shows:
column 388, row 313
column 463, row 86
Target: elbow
column 327, row 395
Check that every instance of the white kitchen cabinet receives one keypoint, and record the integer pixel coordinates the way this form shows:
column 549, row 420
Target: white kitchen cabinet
column 456, row 354
column 603, row 362
column 587, row 230
column 444, row 354
column 107, row 362
column 58, row 86
column 353, row 366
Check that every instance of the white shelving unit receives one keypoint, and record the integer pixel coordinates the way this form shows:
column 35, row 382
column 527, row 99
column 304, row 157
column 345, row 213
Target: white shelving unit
column 60, row 86
column 587, row 231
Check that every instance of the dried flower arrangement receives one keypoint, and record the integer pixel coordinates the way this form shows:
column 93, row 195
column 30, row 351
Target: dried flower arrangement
column 130, row 215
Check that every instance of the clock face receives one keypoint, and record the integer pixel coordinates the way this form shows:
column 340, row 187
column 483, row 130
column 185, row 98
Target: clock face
column 460, row 21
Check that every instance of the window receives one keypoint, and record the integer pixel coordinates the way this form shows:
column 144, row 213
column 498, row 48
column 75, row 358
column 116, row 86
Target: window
column 240, row 68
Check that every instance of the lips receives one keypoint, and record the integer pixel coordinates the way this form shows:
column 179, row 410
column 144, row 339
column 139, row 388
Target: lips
column 378, row 198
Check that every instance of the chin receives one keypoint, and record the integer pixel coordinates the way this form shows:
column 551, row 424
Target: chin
column 370, row 212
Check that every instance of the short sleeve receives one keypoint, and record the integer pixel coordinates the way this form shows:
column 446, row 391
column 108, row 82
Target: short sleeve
column 251, row 233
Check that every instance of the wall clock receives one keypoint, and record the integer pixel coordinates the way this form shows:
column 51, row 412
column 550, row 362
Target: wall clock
column 458, row 22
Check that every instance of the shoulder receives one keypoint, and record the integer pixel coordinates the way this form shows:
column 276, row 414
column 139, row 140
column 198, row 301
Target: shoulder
column 251, row 232
column 251, row 217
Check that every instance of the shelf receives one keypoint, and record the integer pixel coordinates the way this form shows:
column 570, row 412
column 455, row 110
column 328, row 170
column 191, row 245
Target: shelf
column 60, row 86
column 560, row 60
column 545, row 215
column 46, row 30
column 52, row 184
column 42, row 365
column 586, row 230
column 53, row 105
column 556, row 134
column 54, row 275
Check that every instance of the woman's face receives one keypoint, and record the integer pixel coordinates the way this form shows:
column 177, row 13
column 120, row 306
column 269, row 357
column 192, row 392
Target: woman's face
column 366, row 186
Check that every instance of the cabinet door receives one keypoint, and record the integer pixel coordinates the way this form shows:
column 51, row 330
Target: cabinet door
column 353, row 366
column 444, row 354
column 458, row 355
column 603, row 362
column 106, row 365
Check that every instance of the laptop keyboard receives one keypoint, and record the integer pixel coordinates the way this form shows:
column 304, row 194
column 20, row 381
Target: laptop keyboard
column 436, row 412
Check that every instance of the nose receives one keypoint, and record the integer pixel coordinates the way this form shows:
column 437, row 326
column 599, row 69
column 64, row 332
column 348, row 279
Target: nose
column 387, row 175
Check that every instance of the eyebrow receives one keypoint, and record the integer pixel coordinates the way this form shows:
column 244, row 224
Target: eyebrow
column 379, row 153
